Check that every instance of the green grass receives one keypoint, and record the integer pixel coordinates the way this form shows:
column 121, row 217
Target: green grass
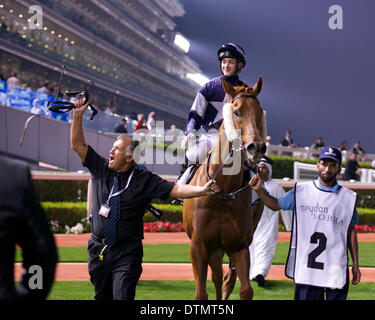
column 185, row 290
column 179, row 253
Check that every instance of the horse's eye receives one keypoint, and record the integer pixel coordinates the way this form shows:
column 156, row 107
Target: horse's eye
column 237, row 113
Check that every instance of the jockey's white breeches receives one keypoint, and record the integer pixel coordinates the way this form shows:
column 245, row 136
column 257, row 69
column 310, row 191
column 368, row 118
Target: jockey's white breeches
column 197, row 150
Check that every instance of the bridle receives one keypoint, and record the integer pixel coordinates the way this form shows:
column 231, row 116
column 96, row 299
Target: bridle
column 230, row 196
column 64, row 106
column 243, row 96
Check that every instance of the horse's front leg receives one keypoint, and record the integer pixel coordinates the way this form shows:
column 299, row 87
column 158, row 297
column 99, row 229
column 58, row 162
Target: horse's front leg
column 241, row 260
column 199, row 260
column 215, row 262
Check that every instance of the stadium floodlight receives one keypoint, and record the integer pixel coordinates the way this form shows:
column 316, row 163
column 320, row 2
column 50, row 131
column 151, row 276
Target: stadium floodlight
column 198, row 78
column 181, row 42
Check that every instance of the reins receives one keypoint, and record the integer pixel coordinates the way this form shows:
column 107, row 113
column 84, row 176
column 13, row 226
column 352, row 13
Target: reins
column 222, row 195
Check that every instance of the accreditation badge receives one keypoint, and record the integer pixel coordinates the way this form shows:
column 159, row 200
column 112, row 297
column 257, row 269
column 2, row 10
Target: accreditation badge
column 104, row 210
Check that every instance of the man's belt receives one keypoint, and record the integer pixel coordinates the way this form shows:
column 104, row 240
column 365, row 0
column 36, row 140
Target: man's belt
column 97, row 239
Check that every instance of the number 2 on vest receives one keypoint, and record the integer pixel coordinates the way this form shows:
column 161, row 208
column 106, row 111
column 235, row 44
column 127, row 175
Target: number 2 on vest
column 320, row 238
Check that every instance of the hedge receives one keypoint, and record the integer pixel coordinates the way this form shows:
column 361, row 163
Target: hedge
column 61, row 190
column 71, row 213
column 283, row 165
column 70, row 190
column 65, row 213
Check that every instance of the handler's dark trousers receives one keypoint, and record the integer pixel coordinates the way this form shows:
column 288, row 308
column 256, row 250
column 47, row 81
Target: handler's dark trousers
column 306, row 292
column 116, row 276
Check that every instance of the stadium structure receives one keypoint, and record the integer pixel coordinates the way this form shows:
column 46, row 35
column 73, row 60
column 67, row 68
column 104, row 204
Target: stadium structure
column 126, row 46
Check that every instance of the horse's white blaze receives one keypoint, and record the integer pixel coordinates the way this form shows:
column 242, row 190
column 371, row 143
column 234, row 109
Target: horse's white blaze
column 264, row 126
column 230, row 129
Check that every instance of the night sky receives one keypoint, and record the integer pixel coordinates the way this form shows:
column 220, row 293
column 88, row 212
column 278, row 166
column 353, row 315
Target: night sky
column 317, row 81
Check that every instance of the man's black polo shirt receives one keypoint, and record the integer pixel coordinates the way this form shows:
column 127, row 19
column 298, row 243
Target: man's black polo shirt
column 144, row 187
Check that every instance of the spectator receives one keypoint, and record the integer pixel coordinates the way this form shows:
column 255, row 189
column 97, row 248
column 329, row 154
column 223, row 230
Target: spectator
column 268, row 143
column 343, row 146
column 109, row 107
column 121, row 127
column 26, row 86
column 357, row 149
column 173, row 128
column 151, row 124
column 43, row 89
column 352, row 168
column 130, row 124
column 13, row 80
column 141, row 122
column 268, row 140
column 318, row 144
column 2, row 77
column 287, row 141
column 173, row 134
column 23, row 223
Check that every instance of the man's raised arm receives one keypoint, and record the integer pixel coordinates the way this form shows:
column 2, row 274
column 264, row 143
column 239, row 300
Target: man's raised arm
column 77, row 138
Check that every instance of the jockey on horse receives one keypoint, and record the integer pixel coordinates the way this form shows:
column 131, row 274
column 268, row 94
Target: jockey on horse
column 206, row 113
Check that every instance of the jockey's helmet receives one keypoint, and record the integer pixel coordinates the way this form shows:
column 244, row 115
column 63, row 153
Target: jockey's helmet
column 231, row 50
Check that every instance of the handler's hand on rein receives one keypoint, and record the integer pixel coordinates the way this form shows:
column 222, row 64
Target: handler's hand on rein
column 255, row 183
column 210, row 187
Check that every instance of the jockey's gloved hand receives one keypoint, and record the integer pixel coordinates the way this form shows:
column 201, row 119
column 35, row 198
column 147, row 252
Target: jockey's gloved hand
column 188, row 137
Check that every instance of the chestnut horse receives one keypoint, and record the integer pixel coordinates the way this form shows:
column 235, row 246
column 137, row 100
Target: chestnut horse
column 221, row 223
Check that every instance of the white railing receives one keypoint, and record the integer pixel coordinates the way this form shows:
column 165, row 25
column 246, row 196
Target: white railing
column 305, row 152
column 305, row 171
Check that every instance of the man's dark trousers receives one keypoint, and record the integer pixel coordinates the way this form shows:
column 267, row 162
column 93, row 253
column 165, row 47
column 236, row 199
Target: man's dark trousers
column 116, row 277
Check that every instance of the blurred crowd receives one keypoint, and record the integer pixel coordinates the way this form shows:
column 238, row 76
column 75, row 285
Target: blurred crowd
column 129, row 123
column 318, row 144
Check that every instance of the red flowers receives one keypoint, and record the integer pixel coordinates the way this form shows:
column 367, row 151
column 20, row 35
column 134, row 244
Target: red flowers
column 162, row 226
column 364, row 228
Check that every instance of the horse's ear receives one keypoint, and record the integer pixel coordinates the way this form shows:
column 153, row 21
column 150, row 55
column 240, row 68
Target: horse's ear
column 257, row 88
column 228, row 88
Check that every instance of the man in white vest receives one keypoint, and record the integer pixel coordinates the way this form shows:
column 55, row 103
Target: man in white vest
column 322, row 232
column 262, row 248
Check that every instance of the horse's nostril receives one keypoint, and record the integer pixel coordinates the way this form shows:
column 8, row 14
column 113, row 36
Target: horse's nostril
column 251, row 147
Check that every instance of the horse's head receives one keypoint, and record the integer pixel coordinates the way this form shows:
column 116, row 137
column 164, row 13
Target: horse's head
column 243, row 112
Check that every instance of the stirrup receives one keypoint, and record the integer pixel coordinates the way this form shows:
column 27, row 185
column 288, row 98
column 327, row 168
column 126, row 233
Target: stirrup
column 177, row 201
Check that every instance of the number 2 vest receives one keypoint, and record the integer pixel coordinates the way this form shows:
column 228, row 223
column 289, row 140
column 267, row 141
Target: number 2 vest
column 318, row 253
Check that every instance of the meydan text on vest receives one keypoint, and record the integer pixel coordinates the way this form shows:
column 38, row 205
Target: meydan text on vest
column 321, row 213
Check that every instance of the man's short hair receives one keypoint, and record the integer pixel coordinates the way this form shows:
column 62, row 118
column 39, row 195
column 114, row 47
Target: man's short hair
column 133, row 143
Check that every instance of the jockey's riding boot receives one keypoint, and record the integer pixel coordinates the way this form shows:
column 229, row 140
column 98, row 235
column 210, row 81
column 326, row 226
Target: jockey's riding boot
column 183, row 169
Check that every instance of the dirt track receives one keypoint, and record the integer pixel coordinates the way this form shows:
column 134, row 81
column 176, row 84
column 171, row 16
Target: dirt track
column 80, row 240
column 164, row 271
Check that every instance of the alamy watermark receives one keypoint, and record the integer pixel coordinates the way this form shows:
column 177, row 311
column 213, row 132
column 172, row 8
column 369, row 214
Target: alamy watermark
column 36, row 18
column 156, row 148
column 336, row 20
column 36, row 280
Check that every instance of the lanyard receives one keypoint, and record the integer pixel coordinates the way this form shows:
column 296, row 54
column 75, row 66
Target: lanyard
column 121, row 191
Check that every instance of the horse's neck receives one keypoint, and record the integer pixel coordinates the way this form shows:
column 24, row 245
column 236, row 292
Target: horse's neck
column 219, row 154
